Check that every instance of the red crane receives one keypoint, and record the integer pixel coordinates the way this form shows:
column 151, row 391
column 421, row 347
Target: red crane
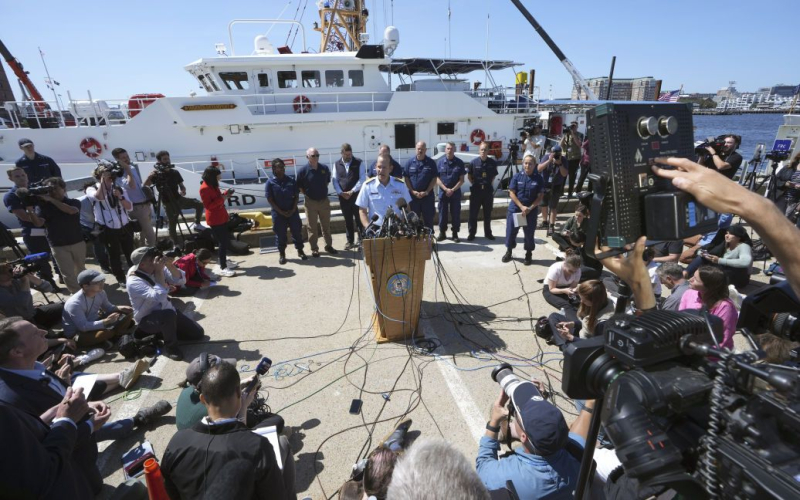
column 18, row 70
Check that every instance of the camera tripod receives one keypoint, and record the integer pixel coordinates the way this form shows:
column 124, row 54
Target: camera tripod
column 161, row 203
column 511, row 168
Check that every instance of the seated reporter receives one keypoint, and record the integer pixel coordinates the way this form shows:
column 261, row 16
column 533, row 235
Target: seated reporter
column 198, row 457
column 573, row 234
column 89, row 316
column 194, row 267
column 594, row 309
column 561, row 283
column 543, row 467
column 734, row 256
column 60, row 215
column 154, row 313
column 16, row 298
column 709, row 290
column 671, row 276
column 28, row 386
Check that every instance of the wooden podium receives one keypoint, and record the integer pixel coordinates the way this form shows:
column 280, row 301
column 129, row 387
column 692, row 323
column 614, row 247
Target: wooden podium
column 397, row 269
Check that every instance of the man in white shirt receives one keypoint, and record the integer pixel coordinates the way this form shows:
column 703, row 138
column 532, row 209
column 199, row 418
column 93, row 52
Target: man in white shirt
column 154, row 313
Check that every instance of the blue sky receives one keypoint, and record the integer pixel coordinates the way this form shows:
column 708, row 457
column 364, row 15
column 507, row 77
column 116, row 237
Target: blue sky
column 116, row 49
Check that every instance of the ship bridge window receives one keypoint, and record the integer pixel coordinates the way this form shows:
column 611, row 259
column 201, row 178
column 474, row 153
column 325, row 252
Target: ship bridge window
column 235, row 80
column 210, row 79
column 334, row 78
column 287, row 79
column 263, row 80
column 204, row 83
column 311, row 79
column 356, row 77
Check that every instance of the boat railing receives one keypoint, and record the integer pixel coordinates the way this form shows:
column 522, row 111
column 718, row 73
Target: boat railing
column 504, row 100
column 75, row 113
column 316, row 102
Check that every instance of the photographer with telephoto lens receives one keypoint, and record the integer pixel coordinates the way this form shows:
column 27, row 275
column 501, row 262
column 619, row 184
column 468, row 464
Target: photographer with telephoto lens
column 111, row 213
column 548, row 463
column 16, row 298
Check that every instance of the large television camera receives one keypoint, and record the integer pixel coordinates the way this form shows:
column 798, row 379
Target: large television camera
column 684, row 414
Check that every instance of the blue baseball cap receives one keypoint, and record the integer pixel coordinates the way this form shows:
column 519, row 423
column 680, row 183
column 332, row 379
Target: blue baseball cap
column 556, row 149
column 543, row 423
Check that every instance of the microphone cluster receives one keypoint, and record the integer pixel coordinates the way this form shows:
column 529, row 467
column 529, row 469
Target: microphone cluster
column 401, row 224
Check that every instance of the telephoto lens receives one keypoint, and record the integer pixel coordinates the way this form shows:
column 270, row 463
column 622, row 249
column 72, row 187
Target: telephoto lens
column 504, row 375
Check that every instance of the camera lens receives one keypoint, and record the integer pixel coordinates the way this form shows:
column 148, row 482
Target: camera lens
column 504, row 375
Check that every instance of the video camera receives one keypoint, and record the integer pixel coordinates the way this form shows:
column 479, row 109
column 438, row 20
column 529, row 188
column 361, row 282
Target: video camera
column 513, row 147
column 777, row 155
column 630, row 199
column 27, row 195
column 686, row 415
column 716, row 143
column 168, row 248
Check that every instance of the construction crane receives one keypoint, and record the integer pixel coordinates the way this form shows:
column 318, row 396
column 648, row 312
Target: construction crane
column 18, row 70
column 577, row 78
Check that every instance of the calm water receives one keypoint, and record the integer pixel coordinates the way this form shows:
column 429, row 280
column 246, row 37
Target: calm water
column 752, row 128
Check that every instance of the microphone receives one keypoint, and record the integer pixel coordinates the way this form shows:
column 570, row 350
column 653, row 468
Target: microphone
column 402, row 204
column 369, row 231
column 386, row 228
column 36, row 257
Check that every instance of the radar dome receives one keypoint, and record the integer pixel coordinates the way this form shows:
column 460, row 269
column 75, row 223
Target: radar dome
column 263, row 45
column 391, row 38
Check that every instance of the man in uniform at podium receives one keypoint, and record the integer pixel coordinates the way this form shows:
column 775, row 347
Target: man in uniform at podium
column 381, row 192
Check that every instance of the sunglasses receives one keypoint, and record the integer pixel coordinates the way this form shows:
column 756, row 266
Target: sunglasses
column 313, row 156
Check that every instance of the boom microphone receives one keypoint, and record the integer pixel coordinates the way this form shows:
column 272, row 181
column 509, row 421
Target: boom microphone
column 369, row 231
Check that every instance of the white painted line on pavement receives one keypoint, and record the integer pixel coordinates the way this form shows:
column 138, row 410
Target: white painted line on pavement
column 473, row 417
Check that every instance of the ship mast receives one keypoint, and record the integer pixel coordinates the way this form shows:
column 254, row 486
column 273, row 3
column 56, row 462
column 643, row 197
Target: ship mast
column 342, row 22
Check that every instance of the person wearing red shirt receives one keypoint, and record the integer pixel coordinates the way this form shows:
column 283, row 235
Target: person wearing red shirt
column 194, row 266
column 216, row 215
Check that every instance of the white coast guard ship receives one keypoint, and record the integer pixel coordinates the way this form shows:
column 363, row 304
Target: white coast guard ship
column 273, row 103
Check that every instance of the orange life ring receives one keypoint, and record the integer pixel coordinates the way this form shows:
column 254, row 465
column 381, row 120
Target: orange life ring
column 302, row 104
column 477, row 137
column 91, row 147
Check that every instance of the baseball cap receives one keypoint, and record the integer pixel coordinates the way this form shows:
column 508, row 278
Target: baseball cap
column 543, row 423
column 197, row 368
column 556, row 149
column 24, row 142
column 89, row 276
column 139, row 254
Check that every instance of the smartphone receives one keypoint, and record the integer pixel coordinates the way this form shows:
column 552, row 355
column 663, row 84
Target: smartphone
column 355, row 406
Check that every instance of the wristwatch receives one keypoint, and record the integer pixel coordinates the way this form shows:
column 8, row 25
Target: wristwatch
column 490, row 427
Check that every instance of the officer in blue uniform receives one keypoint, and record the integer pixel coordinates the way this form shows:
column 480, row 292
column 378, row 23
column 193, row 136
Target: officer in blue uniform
column 420, row 175
column 380, row 193
column 37, row 167
column 481, row 173
column 282, row 193
column 526, row 190
column 397, row 169
column 451, row 178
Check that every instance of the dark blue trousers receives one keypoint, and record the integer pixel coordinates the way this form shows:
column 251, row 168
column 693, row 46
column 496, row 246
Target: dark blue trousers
column 425, row 208
column 528, row 230
column 281, row 223
column 480, row 197
column 450, row 206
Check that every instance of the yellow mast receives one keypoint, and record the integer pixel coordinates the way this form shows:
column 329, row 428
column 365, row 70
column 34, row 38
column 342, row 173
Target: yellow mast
column 341, row 24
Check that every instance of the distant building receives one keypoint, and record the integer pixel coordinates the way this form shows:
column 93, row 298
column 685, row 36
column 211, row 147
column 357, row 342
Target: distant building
column 782, row 90
column 622, row 89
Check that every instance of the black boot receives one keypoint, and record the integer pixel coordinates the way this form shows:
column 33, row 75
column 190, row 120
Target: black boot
column 441, row 236
column 455, row 237
column 528, row 258
column 282, row 260
column 302, row 255
column 507, row 256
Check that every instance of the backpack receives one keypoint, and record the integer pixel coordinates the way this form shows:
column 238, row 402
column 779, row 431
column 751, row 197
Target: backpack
column 196, row 241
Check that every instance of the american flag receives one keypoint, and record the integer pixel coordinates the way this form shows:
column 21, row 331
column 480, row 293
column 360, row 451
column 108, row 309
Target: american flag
column 670, row 96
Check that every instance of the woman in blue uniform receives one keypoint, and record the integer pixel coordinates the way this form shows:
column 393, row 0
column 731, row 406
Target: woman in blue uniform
column 526, row 190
